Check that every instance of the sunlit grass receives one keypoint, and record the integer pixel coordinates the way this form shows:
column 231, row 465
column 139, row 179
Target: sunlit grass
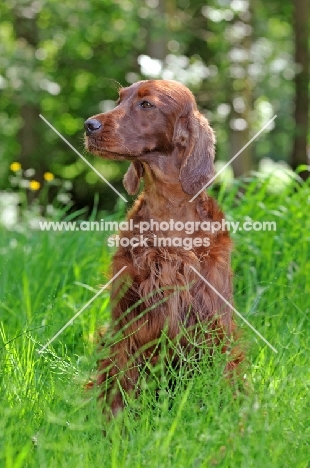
column 47, row 420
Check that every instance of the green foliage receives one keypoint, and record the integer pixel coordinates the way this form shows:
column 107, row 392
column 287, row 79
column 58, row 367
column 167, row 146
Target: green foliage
column 67, row 59
column 48, row 420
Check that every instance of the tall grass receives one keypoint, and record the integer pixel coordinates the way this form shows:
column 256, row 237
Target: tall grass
column 48, row 421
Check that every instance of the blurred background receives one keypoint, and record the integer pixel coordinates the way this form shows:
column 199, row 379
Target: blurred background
column 245, row 61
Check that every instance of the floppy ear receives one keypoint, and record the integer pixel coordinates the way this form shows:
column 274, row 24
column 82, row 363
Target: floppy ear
column 131, row 180
column 197, row 164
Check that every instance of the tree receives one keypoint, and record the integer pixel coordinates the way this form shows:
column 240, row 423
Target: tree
column 25, row 26
column 301, row 22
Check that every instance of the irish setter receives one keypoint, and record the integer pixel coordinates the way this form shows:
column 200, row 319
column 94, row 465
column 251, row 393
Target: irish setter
column 157, row 127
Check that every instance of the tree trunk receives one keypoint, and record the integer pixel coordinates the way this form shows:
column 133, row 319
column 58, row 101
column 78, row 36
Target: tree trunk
column 28, row 136
column 157, row 37
column 301, row 20
column 237, row 140
column 240, row 116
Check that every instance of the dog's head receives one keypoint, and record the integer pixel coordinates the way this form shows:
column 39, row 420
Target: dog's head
column 156, row 124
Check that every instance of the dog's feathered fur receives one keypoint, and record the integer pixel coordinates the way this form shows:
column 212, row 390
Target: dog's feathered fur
column 156, row 126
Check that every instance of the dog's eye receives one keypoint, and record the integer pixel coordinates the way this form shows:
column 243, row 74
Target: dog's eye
column 146, row 105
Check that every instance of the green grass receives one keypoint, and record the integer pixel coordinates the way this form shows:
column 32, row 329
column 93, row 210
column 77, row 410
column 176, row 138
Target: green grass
column 48, row 421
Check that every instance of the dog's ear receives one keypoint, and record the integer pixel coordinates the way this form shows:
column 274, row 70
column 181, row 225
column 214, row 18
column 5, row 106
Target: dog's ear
column 195, row 134
column 131, row 180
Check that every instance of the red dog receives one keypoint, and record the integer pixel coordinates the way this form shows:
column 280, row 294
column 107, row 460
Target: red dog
column 156, row 126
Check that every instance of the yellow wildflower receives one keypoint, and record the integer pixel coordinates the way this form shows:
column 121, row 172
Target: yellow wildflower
column 48, row 176
column 15, row 166
column 34, row 185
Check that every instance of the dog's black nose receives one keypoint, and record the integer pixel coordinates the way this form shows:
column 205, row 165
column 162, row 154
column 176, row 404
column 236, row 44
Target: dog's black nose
column 91, row 126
